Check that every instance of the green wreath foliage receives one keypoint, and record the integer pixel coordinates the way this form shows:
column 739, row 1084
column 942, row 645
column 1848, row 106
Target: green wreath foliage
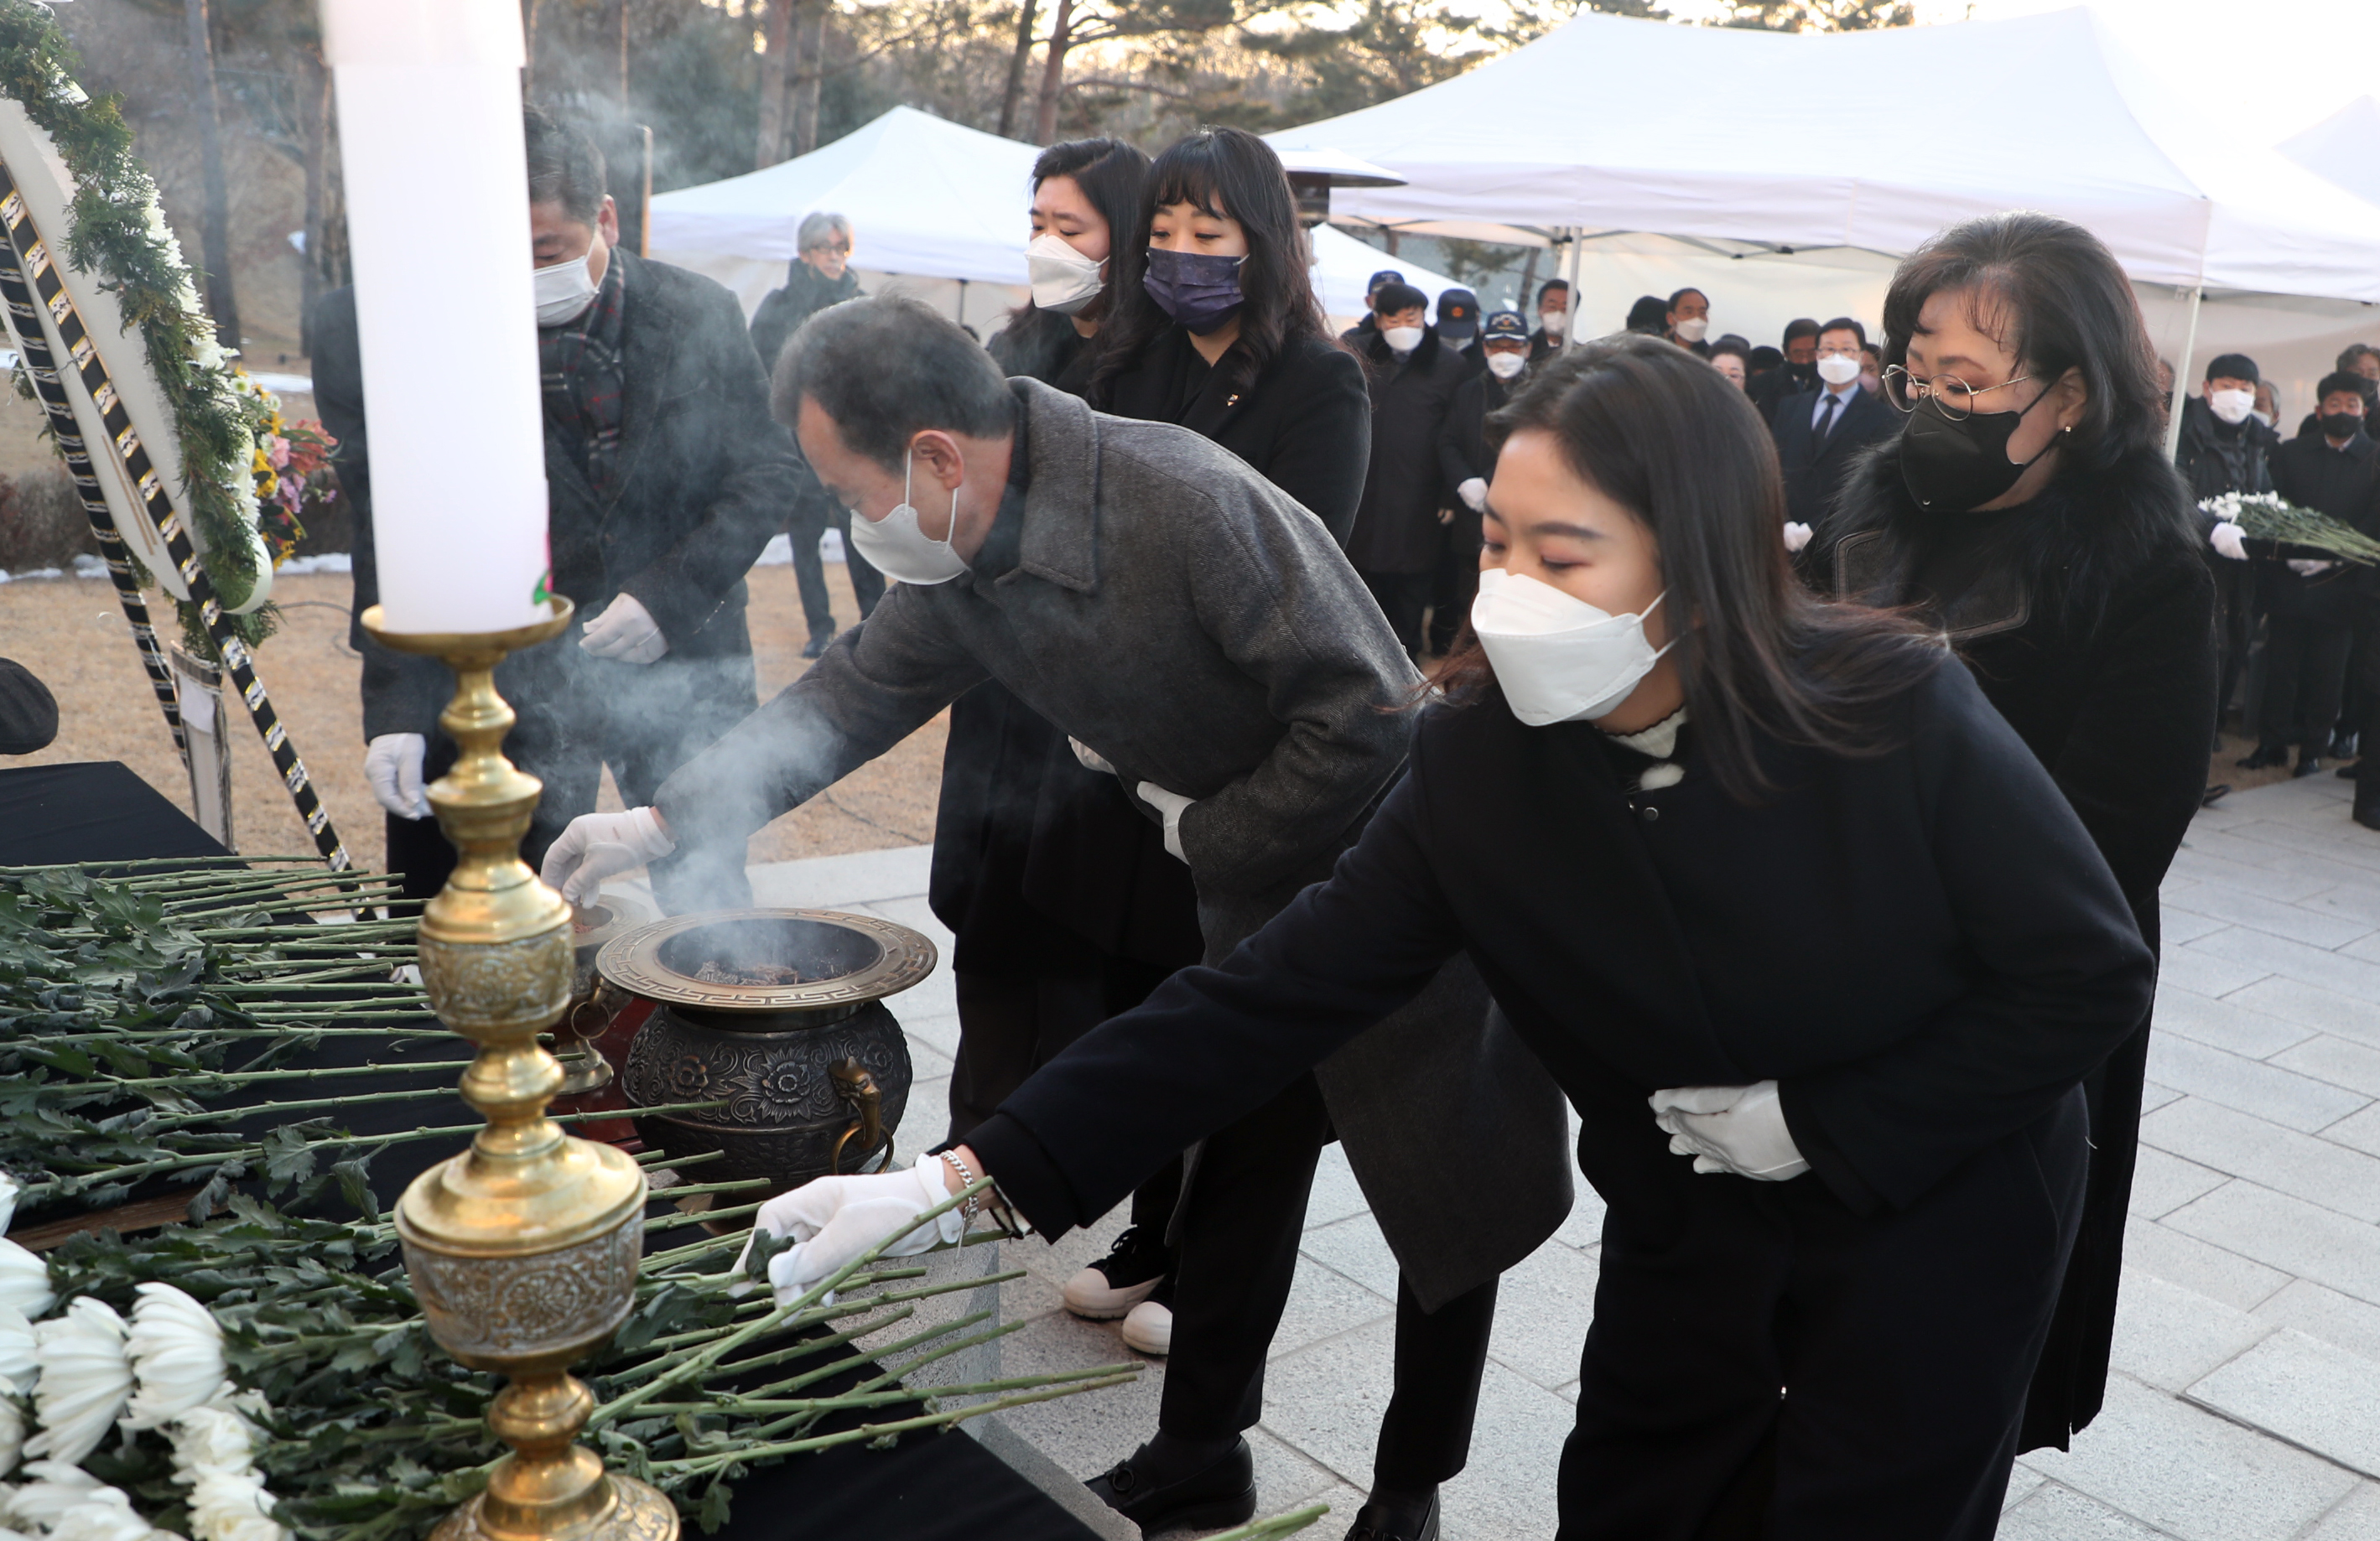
column 116, row 233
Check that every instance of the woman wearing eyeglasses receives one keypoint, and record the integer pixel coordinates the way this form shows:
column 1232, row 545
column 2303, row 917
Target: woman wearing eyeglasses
column 2028, row 509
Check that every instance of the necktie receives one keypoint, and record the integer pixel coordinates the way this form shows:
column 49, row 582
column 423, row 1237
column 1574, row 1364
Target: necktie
column 1827, row 410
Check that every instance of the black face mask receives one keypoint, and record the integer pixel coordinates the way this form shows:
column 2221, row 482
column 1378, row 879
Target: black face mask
column 2341, row 425
column 1955, row 466
column 1804, row 372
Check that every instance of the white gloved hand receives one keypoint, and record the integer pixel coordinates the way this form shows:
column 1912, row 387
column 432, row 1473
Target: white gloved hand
column 1091, row 758
column 1171, row 805
column 833, row 1220
column 1473, row 491
column 1796, row 535
column 625, row 632
column 599, row 846
column 1737, row 1129
column 2306, row 566
column 2228, row 540
column 392, row 766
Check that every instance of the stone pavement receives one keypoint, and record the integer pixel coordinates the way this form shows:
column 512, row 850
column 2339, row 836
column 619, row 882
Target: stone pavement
column 2245, row 1404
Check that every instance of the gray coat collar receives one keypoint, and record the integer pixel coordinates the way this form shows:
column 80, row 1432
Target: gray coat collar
column 1061, row 518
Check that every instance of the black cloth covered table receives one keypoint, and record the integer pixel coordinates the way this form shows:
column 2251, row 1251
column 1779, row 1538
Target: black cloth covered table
column 929, row 1487
column 93, row 811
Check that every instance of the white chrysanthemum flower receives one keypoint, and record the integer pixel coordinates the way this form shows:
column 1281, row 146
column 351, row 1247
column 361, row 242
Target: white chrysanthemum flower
column 177, row 1353
column 233, row 1507
column 17, row 1366
column 107, row 1515
column 25, row 1281
column 9, row 1188
column 12, row 1433
column 210, row 1441
column 55, row 1486
column 85, row 1378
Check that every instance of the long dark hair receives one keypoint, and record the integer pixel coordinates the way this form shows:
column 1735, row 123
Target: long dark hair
column 1111, row 173
column 1664, row 435
column 1231, row 174
column 2056, row 296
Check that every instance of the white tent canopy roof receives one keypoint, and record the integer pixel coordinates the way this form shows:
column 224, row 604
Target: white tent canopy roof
column 1587, row 128
column 2342, row 148
column 925, row 198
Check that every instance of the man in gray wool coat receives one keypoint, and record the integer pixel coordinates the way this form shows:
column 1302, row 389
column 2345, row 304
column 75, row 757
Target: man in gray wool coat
column 1198, row 631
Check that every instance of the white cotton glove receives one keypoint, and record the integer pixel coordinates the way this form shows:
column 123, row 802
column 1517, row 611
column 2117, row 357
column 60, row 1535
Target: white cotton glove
column 2306, row 566
column 599, row 846
column 393, row 765
column 625, row 632
column 1170, row 803
column 1737, row 1129
column 2228, row 540
column 1473, row 491
column 1091, row 758
column 1796, row 536
column 833, row 1220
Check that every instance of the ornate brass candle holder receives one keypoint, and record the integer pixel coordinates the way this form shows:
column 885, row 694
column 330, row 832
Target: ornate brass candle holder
column 523, row 1250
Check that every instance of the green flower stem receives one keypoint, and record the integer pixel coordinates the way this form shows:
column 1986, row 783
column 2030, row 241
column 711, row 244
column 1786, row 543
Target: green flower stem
column 730, row 1402
column 1277, row 1526
column 698, row 1465
column 701, row 1362
column 183, row 1120
column 83, row 870
column 699, row 1217
column 215, row 1080
column 778, row 1428
column 656, row 1161
column 838, row 1312
column 271, row 900
column 689, row 1190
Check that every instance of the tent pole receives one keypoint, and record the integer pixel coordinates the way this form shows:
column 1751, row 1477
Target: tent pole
column 2182, row 376
column 1570, row 275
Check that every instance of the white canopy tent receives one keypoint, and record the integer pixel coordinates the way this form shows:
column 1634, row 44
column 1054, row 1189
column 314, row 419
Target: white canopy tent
column 1585, row 137
column 937, row 210
column 2343, row 147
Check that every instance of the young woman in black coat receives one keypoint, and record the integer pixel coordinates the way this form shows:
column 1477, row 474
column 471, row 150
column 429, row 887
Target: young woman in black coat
column 1809, row 937
column 2028, row 509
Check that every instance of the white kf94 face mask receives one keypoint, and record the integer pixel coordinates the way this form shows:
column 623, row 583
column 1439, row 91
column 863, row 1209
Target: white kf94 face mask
column 1839, row 369
column 2232, row 405
column 1063, row 279
column 564, row 291
column 1558, row 657
column 898, row 549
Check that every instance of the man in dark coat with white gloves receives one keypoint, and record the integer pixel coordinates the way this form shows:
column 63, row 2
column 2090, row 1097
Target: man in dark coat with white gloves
column 1400, row 527
column 665, row 476
column 1195, row 630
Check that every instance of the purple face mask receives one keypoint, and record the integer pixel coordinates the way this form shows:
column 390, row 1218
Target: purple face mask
column 1196, row 288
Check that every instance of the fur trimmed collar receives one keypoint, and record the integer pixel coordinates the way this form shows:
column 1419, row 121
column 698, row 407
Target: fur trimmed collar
column 2085, row 535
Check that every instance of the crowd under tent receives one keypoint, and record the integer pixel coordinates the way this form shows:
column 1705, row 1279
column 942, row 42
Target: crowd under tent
column 1657, row 157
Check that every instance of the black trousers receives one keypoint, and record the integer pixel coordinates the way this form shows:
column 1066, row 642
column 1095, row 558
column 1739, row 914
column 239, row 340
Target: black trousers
column 808, row 525
column 1010, row 1025
column 2235, row 625
column 1903, row 1343
column 1454, row 582
column 1403, row 597
column 1240, row 1226
column 2305, row 668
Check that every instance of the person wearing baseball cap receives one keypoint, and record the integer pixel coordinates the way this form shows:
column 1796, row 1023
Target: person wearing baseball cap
column 1464, row 463
column 1362, row 331
column 1457, row 325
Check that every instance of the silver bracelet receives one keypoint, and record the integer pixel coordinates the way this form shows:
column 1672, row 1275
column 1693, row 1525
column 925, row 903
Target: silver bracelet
column 967, row 1210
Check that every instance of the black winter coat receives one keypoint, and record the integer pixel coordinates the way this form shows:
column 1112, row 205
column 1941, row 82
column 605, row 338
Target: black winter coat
column 1463, row 442
column 706, row 478
column 2089, row 622
column 781, row 312
column 1044, row 345
column 1397, row 528
column 1921, row 947
column 1769, row 387
column 1814, row 472
column 2343, row 483
column 2216, row 457
column 1305, row 424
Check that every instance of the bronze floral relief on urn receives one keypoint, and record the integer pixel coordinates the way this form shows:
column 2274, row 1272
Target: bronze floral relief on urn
column 778, row 1015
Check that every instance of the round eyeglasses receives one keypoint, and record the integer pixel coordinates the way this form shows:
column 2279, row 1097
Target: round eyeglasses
column 1953, row 396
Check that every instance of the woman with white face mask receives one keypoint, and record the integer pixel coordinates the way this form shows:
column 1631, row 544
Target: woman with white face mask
column 1086, row 200
column 1812, row 942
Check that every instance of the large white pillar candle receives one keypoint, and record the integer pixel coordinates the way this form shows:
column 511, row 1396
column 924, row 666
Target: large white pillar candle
column 437, row 193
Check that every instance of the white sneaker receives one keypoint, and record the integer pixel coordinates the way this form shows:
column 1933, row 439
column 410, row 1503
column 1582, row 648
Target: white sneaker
column 1148, row 1328
column 1113, row 1285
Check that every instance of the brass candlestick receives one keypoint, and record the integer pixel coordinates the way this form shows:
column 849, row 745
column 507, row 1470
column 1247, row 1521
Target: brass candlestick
column 523, row 1250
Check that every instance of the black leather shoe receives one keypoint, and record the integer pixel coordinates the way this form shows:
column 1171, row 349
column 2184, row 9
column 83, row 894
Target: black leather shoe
column 2367, row 805
column 2265, row 757
column 818, row 645
column 2345, row 773
column 2308, row 765
column 1150, row 1491
column 1376, row 1522
column 2213, row 794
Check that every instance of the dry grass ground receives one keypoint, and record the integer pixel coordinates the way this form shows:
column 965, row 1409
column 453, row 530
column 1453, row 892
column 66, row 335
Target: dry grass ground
column 71, row 632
